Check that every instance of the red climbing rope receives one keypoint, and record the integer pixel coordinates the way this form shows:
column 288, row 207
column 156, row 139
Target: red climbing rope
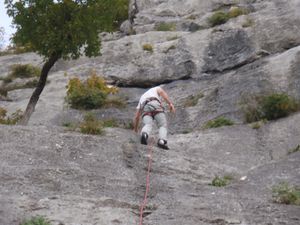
column 147, row 182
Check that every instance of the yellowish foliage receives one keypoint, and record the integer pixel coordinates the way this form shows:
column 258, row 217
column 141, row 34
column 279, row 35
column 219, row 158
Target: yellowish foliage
column 89, row 94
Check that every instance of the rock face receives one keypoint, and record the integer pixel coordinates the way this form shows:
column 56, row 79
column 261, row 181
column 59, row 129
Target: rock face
column 79, row 179
column 73, row 179
column 230, row 49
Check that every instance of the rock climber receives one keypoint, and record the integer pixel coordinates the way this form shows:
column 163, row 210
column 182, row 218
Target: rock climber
column 150, row 108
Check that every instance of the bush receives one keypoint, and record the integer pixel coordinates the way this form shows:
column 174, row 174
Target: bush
column 218, row 18
column 221, row 17
column 91, row 125
column 268, row 107
column 10, row 120
column 36, row 221
column 148, row 47
column 221, row 181
column 286, row 194
column 165, row 27
column 277, row 106
column 24, row 71
column 90, row 94
column 219, row 122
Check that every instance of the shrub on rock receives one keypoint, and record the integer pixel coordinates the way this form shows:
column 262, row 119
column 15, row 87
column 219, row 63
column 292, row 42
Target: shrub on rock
column 90, row 94
column 36, row 221
column 221, row 181
column 218, row 18
column 10, row 120
column 278, row 105
column 218, row 122
column 284, row 193
column 268, row 107
column 91, row 125
column 221, row 17
column 25, row 71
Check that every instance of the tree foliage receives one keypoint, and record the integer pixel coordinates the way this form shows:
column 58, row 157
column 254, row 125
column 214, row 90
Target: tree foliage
column 64, row 27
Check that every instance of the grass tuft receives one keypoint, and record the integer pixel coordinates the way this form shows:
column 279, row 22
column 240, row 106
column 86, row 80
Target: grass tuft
column 91, row 125
column 148, row 48
column 165, row 27
column 218, row 18
column 221, row 17
column 24, row 71
column 36, row 221
column 221, row 181
column 284, row 193
column 10, row 120
column 218, row 122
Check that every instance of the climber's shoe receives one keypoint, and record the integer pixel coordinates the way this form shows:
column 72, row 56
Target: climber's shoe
column 144, row 138
column 162, row 144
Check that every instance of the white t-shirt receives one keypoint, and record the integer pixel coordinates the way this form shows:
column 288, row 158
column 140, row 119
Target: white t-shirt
column 151, row 93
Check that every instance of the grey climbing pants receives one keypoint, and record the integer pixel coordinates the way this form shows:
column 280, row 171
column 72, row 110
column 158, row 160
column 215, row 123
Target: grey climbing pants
column 160, row 118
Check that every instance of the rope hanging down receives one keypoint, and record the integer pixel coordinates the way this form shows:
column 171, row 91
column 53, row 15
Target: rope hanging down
column 147, row 182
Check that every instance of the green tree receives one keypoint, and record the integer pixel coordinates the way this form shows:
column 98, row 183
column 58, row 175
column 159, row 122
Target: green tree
column 61, row 29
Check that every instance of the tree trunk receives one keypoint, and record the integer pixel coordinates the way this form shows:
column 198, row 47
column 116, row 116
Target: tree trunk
column 38, row 90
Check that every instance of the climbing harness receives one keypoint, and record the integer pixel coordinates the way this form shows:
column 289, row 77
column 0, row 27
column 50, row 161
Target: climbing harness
column 153, row 112
column 149, row 100
column 143, row 204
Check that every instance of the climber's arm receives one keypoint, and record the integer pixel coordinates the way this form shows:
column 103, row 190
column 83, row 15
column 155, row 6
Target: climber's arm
column 136, row 120
column 165, row 96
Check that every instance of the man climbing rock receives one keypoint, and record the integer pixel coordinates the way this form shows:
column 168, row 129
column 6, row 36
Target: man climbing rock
column 151, row 109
